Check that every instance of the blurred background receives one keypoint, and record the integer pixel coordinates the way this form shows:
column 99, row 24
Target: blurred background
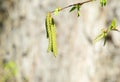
column 23, row 42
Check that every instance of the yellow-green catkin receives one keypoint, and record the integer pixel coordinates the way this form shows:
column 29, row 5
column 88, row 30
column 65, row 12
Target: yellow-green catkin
column 51, row 34
column 48, row 24
column 54, row 44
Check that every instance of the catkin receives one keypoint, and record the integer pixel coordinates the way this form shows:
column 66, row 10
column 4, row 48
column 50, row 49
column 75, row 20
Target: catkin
column 51, row 34
column 49, row 22
column 53, row 31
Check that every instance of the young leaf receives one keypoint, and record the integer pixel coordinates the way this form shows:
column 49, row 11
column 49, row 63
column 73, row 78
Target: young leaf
column 113, row 26
column 103, row 2
column 102, row 35
column 78, row 7
column 78, row 13
column 105, row 36
column 105, row 39
column 99, row 37
column 73, row 8
column 78, row 10
column 57, row 11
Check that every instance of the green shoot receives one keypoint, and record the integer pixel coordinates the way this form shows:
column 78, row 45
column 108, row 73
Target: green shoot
column 104, row 33
column 103, row 2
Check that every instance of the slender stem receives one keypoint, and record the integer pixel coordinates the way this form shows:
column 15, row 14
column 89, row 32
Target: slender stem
column 73, row 5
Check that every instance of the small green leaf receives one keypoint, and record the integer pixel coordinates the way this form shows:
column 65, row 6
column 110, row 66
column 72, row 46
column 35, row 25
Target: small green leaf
column 73, row 8
column 78, row 12
column 102, row 35
column 113, row 26
column 56, row 11
column 103, row 2
column 113, row 23
column 78, row 7
column 105, row 39
column 99, row 37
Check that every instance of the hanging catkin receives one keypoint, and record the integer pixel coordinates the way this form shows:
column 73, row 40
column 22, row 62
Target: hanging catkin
column 54, row 44
column 51, row 34
column 48, row 31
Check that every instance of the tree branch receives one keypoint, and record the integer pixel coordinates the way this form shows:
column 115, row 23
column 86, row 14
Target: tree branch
column 73, row 5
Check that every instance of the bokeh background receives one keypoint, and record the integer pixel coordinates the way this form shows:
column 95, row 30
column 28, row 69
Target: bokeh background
column 23, row 42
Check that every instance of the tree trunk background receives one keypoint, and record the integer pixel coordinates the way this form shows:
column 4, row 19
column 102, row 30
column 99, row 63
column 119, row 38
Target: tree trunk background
column 23, row 40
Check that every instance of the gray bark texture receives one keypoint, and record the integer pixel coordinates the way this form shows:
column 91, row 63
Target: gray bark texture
column 23, row 40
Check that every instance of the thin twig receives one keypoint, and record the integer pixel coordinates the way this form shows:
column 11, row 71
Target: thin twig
column 73, row 5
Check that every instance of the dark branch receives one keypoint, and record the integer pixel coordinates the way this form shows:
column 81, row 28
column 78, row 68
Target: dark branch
column 73, row 5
